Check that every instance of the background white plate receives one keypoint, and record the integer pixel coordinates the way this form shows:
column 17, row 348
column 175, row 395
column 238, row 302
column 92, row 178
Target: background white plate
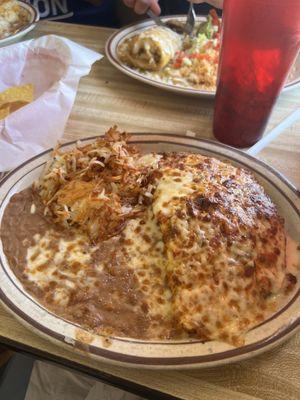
column 116, row 38
column 163, row 354
column 33, row 19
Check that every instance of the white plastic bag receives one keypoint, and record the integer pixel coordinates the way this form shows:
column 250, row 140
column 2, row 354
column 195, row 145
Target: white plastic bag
column 54, row 65
column 51, row 382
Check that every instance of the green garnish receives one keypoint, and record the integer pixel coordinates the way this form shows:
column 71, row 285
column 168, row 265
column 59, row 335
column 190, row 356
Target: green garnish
column 206, row 28
column 197, row 43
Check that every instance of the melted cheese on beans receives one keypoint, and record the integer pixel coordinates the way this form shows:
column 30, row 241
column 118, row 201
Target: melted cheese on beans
column 145, row 249
column 59, row 263
column 59, row 266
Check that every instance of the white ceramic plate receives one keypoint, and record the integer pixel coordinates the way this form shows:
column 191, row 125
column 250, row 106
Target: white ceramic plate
column 122, row 34
column 146, row 354
column 33, row 19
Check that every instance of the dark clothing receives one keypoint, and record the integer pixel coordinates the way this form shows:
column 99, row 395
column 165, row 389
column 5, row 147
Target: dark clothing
column 169, row 7
column 78, row 11
column 104, row 14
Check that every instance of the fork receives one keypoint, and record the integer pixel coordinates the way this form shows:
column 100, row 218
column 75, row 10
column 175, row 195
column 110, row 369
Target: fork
column 187, row 28
column 156, row 18
column 190, row 20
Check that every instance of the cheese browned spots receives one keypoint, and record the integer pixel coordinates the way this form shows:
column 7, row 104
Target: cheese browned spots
column 225, row 248
column 154, row 246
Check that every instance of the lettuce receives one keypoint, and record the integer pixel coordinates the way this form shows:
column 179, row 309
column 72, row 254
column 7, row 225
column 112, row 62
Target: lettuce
column 206, row 28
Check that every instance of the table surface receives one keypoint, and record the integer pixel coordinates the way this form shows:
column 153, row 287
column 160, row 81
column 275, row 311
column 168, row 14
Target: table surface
column 106, row 97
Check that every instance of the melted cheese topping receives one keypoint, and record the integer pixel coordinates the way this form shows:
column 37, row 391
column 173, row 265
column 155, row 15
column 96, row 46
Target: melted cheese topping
column 224, row 269
column 151, row 49
column 174, row 183
column 205, row 251
column 56, row 261
column 145, row 249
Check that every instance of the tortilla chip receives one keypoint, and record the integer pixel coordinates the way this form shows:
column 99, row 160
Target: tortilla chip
column 13, row 106
column 22, row 93
column 14, row 98
column 4, row 112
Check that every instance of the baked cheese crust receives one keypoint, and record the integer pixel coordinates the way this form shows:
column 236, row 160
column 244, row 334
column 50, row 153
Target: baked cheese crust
column 156, row 246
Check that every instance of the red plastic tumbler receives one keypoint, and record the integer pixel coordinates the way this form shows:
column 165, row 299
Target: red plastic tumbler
column 260, row 41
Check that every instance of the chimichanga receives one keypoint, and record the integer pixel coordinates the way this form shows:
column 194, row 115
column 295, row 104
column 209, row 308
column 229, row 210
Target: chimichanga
column 151, row 49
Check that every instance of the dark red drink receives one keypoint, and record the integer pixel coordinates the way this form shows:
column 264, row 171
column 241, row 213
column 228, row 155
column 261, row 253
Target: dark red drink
column 260, row 41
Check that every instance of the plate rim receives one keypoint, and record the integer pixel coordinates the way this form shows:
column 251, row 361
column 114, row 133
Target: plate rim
column 161, row 85
column 171, row 362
